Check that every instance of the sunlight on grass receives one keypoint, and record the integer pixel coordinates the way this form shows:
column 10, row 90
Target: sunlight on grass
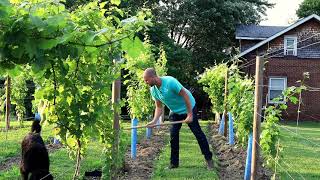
column 300, row 151
column 192, row 162
column 61, row 166
column 10, row 141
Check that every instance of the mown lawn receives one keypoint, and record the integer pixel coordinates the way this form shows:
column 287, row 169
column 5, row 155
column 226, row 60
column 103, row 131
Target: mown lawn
column 192, row 163
column 61, row 166
column 15, row 124
column 10, row 142
column 300, row 155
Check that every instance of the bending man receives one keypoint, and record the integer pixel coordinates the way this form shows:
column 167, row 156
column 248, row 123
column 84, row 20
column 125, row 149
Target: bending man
column 169, row 91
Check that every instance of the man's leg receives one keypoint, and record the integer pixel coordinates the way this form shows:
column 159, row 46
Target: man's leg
column 201, row 137
column 174, row 142
column 174, row 139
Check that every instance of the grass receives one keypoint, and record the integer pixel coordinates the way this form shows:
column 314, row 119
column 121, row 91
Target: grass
column 300, row 155
column 10, row 141
column 192, row 162
column 15, row 124
column 61, row 166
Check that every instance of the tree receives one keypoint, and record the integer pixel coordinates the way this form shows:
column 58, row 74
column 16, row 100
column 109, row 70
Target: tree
column 71, row 57
column 206, row 27
column 195, row 33
column 308, row 7
column 198, row 33
column 19, row 93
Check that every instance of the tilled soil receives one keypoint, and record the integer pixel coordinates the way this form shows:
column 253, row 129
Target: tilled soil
column 231, row 159
column 148, row 151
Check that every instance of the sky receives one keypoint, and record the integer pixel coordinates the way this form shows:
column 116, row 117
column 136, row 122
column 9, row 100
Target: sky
column 282, row 14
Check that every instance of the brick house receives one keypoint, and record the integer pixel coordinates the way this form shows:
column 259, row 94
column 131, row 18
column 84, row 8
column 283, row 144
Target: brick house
column 289, row 51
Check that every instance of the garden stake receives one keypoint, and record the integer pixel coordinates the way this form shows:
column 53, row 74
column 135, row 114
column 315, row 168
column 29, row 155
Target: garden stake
column 221, row 127
column 134, row 135
column 248, row 161
column 231, row 133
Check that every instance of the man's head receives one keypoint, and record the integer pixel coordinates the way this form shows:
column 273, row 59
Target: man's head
column 150, row 76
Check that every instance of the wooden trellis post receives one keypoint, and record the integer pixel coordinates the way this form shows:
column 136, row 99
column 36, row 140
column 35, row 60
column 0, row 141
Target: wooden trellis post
column 225, row 111
column 257, row 117
column 116, row 89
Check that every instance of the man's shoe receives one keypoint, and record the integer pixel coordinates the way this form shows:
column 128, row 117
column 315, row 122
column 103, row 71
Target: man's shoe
column 209, row 164
column 172, row 166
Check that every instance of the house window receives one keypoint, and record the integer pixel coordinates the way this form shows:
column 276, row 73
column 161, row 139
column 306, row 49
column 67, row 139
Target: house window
column 276, row 86
column 290, row 45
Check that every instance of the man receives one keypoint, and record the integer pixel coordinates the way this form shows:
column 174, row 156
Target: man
column 167, row 90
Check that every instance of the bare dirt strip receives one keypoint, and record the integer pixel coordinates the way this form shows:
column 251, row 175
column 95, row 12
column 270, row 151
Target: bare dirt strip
column 148, row 150
column 232, row 159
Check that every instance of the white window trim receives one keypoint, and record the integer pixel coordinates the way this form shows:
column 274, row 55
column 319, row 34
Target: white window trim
column 295, row 51
column 269, row 88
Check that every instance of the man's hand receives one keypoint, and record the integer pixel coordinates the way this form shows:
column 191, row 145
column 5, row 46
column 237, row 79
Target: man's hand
column 151, row 124
column 189, row 118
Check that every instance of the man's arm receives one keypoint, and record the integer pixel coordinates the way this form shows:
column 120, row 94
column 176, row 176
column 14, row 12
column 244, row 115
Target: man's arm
column 157, row 113
column 186, row 98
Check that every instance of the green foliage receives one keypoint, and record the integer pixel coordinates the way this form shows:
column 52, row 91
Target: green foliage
column 119, row 158
column 240, row 96
column 71, row 57
column 308, row 7
column 196, row 33
column 138, row 97
column 213, row 84
column 19, row 93
column 161, row 63
column 206, row 28
column 139, row 100
column 271, row 133
column 2, row 101
column 240, row 104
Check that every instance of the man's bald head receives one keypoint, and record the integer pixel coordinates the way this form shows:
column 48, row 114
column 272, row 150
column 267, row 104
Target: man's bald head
column 150, row 72
column 150, row 76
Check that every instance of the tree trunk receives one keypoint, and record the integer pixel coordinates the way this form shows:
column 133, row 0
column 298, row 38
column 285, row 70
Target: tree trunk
column 8, row 102
column 77, row 170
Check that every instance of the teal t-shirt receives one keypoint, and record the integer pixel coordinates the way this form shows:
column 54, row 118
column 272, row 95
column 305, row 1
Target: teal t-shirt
column 168, row 94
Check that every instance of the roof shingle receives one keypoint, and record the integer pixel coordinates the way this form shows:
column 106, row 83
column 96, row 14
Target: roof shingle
column 256, row 32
